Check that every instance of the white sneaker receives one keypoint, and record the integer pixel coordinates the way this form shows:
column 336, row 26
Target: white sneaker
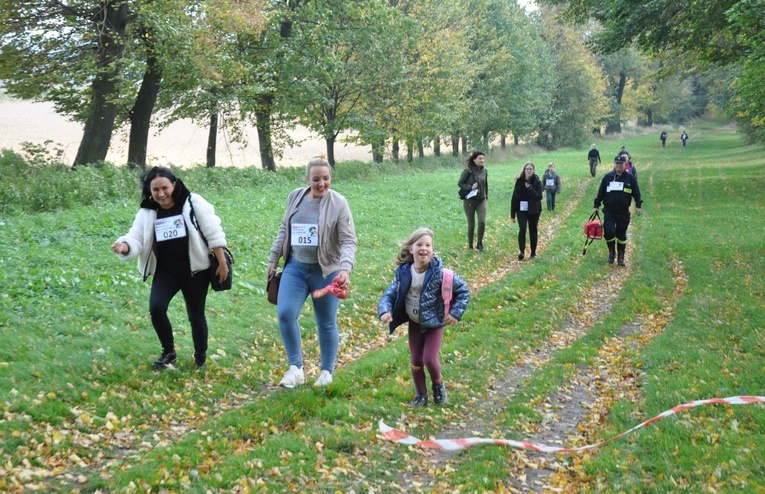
column 325, row 379
column 293, row 377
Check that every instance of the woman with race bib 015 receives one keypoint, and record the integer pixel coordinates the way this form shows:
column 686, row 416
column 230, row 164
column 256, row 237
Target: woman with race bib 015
column 317, row 240
column 168, row 238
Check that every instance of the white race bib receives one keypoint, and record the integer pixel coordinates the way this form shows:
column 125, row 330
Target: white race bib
column 550, row 182
column 615, row 186
column 305, row 235
column 169, row 228
column 524, row 205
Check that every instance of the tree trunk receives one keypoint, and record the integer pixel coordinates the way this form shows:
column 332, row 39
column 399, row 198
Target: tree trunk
column 455, row 145
column 263, row 108
column 212, row 137
column 503, row 142
column 437, row 147
column 515, row 140
column 485, row 140
column 140, row 115
column 420, row 149
column 464, row 145
column 614, row 124
column 409, row 151
column 378, row 151
column 110, row 22
column 331, row 150
column 394, row 150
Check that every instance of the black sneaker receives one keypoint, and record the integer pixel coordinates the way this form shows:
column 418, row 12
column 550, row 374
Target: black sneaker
column 520, row 257
column 419, row 400
column 164, row 360
column 480, row 247
column 610, row 259
column 439, row 393
column 533, row 256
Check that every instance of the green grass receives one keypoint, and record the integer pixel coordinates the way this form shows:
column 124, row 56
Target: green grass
column 77, row 340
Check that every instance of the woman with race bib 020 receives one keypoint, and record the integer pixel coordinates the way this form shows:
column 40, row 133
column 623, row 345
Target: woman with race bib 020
column 172, row 236
column 317, row 240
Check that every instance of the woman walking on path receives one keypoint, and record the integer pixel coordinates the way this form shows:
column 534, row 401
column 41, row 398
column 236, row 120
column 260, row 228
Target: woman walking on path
column 526, row 204
column 416, row 297
column 474, row 180
column 551, row 182
column 317, row 240
column 168, row 238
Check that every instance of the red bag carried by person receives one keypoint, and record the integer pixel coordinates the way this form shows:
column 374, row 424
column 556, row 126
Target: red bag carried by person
column 593, row 230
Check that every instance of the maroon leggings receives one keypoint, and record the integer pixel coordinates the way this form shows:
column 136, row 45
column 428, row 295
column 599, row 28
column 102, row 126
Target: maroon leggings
column 424, row 348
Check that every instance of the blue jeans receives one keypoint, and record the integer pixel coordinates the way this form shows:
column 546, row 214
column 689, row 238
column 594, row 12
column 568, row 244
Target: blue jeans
column 298, row 281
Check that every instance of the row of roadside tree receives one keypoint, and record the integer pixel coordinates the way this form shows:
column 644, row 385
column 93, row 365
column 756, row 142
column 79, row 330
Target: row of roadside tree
column 397, row 75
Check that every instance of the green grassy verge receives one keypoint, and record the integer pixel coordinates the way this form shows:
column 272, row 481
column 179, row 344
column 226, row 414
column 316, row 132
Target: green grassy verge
column 77, row 340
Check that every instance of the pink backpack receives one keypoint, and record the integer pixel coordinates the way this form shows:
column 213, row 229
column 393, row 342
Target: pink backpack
column 446, row 290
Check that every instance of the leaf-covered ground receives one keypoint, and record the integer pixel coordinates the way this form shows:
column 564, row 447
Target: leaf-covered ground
column 562, row 350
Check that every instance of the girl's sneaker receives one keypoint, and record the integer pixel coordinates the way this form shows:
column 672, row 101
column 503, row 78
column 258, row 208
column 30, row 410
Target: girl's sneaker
column 439, row 393
column 420, row 400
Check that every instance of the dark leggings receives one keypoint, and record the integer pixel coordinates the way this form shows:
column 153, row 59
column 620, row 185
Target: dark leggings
column 423, row 350
column 164, row 287
column 533, row 222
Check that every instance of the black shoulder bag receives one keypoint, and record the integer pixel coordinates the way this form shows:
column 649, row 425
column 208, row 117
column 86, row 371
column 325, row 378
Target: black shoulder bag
column 214, row 281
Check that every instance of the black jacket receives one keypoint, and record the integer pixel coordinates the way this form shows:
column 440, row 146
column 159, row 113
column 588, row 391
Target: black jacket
column 616, row 193
column 531, row 194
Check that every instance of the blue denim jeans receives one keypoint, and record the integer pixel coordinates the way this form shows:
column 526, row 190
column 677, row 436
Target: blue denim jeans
column 298, row 281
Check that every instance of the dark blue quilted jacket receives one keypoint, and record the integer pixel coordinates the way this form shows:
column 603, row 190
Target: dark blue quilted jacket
column 431, row 302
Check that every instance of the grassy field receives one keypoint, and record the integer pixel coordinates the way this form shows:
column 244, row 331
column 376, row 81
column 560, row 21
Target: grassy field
column 83, row 410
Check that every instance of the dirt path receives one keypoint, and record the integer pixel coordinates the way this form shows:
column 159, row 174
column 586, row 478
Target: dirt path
column 571, row 416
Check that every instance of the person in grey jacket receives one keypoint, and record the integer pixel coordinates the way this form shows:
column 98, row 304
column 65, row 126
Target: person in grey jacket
column 317, row 239
column 416, row 297
column 551, row 183
column 167, row 238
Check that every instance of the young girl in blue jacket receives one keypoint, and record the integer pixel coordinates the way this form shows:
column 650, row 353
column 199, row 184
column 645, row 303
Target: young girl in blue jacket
column 415, row 296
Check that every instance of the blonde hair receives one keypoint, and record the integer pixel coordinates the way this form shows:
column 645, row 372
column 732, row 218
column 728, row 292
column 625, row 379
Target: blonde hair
column 405, row 254
column 550, row 164
column 534, row 168
column 316, row 162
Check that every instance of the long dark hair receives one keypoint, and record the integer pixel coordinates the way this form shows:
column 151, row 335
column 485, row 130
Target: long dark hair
column 179, row 192
column 471, row 159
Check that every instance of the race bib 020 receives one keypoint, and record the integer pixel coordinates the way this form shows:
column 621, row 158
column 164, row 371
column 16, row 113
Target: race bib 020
column 169, row 228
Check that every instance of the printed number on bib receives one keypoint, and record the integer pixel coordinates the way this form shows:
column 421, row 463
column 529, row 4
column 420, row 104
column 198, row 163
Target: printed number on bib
column 305, row 235
column 524, row 205
column 550, row 182
column 169, row 228
column 615, row 186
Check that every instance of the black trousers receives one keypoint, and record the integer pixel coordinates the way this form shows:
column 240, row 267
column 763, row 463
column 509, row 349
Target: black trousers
column 164, row 287
column 615, row 226
column 533, row 222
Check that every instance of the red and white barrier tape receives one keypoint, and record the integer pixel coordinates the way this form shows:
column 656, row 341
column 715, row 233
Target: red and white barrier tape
column 457, row 444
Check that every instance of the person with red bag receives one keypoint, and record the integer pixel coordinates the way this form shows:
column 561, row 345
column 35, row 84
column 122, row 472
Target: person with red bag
column 617, row 189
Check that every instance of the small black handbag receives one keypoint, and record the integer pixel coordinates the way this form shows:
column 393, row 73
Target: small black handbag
column 214, row 282
column 228, row 282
